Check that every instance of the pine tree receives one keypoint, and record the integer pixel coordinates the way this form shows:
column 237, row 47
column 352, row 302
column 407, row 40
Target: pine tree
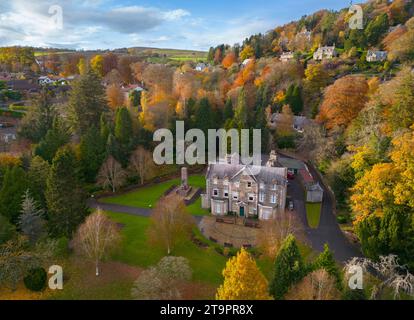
column 203, row 116
column 37, row 176
column 326, row 261
column 31, row 222
column 289, row 268
column 55, row 138
column 91, row 154
column 228, row 112
column 241, row 112
column 243, row 280
column 14, row 185
column 64, row 196
column 87, row 102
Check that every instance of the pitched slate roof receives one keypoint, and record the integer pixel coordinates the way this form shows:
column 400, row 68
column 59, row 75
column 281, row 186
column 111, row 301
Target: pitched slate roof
column 259, row 173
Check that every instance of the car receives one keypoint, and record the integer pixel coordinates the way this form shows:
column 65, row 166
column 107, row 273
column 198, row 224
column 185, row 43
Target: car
column 291, row 206
column 291, row 174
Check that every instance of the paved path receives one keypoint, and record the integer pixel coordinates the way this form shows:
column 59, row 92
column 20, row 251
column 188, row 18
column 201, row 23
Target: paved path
column 142, row 212
column 328, row 230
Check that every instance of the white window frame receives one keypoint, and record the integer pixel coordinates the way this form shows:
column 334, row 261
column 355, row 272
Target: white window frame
column 261, row 196
column 262, row 185
column 274, row 186
column 226, row 193
column 235, row 196
column 273, row 199
column 251, row 197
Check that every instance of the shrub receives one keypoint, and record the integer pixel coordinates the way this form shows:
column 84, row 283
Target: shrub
column 286, row 142
column 62, row 247
column 7, row 230
column 342, row 219
column 35, row 279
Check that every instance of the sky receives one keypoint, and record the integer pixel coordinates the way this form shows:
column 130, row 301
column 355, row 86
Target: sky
column 110, row 24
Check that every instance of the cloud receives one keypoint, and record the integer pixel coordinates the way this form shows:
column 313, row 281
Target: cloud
column 30, row 23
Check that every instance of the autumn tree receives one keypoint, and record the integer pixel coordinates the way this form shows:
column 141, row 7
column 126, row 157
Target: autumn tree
column 342, row 101
column 243, row 280
column 229, row 60
column 142, row 163
column 111, row 175
column 97, row 237
column 109, row 63
column 289, row 268
column 164, row 281
column 116, row 97
column 274, row 232
column 318, row 285
column 82, row 66
column 170, row 222
column 247, row 52
column 97, row 65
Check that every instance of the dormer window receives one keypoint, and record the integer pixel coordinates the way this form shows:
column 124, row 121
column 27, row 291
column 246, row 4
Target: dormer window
column 215, row 180
column 226, row 181
column 237, row 184
column 249, row 184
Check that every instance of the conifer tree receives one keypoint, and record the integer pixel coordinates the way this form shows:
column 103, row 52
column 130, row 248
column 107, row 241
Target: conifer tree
column 289, row 268
column 64, row 196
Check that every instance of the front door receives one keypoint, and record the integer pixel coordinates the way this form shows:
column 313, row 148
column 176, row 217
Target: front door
column 241, row 211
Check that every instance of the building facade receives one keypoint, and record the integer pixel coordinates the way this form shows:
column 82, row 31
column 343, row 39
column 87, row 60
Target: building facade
column 325, row 53
column 247, row 191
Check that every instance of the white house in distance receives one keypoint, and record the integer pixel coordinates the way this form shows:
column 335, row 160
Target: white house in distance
column 327, row 52
column 286, row 56
column 200, row 67
column 376, row 56
column 44, row 80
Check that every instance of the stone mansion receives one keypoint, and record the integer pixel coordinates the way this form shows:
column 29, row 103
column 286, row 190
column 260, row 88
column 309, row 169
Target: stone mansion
column 248, row 191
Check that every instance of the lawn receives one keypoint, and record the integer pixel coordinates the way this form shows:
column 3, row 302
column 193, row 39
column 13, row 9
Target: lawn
column 313, row 214
column 147, row 197
column 207, row 264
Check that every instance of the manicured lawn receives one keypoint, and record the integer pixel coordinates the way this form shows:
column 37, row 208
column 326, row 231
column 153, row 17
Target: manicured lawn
column 196, row 210
column 207, row 264
column 313, row 214
column 147, row 197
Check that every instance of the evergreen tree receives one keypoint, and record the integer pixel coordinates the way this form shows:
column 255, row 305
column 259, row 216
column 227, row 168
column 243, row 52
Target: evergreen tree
column 37, row 176
column 64, row 196
column 376, row 29
column 31, row 222
column 91, row 154
column 289, row 268
column 14, row 186
column 326, row 261
column 7, row 230
column 87, row 102
column 228, row 112
column 203, row 117
column 55, row 138
column 241, row 112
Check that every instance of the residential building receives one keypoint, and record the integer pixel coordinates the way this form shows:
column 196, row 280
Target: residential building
column 286, row 56
column 247, row 191
column 376, row 56
column 327, row 52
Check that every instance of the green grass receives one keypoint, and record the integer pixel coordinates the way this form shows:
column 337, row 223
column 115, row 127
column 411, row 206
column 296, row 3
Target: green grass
column 207, row 264
column 147, row 197
column 313, row 214
column 196, row 210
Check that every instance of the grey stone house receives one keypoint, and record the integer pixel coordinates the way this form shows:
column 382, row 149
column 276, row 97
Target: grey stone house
column 248, row 191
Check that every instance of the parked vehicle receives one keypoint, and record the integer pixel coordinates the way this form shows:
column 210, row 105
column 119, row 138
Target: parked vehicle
column 291, row 174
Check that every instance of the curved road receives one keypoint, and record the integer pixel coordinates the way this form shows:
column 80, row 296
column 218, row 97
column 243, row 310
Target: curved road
column 328, row 230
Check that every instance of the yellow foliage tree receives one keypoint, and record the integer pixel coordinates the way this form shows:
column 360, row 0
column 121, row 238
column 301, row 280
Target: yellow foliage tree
column 403, row 157
column 243, row 280
column 374, row 191
column 97, row 64
column 247, row 52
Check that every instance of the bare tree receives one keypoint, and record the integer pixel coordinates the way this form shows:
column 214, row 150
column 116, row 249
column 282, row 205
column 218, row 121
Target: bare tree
column 388, row 271
column 111, row 175
column 318, row 285
column 170, row 221
column 97, row 237
column 164, row 281
column 274, row 231
column 142, row 163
